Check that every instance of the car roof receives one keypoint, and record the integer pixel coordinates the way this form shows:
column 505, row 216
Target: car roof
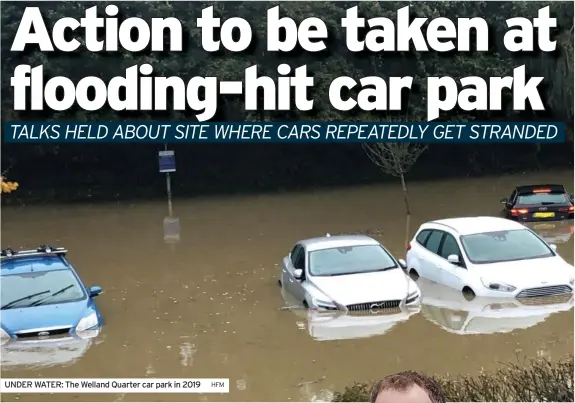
column 478, row 225
column 336, row 241
column 28, row 264
column 530, row 188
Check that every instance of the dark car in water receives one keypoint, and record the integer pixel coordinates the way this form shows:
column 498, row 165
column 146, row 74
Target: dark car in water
column 538, row 203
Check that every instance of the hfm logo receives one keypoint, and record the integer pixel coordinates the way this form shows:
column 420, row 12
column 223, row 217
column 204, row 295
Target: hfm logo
column 218, row 384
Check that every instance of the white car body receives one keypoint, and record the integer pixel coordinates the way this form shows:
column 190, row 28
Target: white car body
column 532, row 277
column 449, row 309
column 360, row 291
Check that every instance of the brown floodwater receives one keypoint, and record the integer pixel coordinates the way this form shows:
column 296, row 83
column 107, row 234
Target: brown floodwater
column 209, row 305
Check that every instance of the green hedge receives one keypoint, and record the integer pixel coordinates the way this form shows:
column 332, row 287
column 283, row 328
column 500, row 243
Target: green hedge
column 536, row 380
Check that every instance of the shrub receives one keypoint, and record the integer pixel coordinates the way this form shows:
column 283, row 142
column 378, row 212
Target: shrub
column 535, row 380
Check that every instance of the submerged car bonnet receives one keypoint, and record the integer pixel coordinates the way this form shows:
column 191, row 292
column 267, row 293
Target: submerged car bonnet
column 528, row 273
column 66, row 314
column 364, row 287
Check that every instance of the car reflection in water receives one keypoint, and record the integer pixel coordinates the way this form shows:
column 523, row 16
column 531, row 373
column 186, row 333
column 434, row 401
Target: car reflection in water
column 450, row 309
column 340, row 325
column 553, row 232
column 41, row 353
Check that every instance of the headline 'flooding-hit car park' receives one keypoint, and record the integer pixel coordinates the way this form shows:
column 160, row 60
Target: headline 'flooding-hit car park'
column 503, row 272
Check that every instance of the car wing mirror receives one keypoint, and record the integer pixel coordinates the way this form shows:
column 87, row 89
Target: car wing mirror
column 503, row 201
column 95, row 290
column 553, row 246
column 454, row 259
column 298, row 274
column 402, row 264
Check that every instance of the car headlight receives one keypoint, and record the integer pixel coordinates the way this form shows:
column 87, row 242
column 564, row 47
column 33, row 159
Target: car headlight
column 87, row 322
column 324, row 304
column 412, row 297
column 497, row 286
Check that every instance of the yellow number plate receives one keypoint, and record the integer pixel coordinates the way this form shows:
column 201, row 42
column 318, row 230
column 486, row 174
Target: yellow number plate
column 544, row 215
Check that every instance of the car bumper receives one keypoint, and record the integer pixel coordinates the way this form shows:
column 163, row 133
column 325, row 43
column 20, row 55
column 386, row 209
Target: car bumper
column 557, row 217
column 530, row 293
column 45, row 352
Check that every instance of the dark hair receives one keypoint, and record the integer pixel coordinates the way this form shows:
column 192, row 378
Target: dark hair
column 407, row 379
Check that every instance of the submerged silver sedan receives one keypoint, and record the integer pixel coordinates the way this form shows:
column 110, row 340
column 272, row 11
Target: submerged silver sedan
column 347, row 272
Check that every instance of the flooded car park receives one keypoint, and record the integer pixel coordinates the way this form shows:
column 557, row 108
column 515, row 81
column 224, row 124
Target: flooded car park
column 209, row 305
column 557, row 232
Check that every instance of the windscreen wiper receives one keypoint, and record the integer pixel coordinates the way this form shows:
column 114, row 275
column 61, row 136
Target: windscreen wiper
column 9, row 304
column 60, row 291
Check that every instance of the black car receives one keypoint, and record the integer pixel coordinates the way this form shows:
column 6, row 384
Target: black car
column 539, row 203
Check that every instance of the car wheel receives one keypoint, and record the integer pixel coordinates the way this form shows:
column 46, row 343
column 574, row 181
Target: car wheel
column 414, row 274
column 468, row 293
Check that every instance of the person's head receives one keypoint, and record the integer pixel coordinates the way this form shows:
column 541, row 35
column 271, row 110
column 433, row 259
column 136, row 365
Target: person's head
column 407, row 387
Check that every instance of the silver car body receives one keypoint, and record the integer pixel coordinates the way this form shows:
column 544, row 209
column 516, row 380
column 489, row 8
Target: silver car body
column 345, row 325
column 371, row 291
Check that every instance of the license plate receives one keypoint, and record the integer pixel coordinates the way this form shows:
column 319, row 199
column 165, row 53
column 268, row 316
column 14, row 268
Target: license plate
column 541, row 227
column 543, row 215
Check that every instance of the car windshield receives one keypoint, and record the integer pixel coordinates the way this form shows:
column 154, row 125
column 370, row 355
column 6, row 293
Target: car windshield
column 35, row 288
column 350, row 260
column 542, row 198
column 504, row 246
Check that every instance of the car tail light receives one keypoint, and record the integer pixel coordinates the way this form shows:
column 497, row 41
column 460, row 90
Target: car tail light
column 409, row 246
column 518, row 211
column 571, row 209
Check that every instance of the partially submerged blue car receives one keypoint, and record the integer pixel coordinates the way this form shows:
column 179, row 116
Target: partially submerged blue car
column 42, row 297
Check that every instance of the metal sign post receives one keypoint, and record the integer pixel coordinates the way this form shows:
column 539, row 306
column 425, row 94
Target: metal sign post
column 167, row 163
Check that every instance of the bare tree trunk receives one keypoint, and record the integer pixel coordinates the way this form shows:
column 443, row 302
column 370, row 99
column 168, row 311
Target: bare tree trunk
column 405, row 198
column 407, row 222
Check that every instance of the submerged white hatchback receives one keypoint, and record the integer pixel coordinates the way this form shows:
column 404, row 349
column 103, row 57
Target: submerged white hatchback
column 489, row 257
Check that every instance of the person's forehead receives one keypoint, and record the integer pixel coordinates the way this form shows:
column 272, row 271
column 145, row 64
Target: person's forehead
column 413, row 394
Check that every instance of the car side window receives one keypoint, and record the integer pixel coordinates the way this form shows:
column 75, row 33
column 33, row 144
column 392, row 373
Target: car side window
column 423, row 236
column 434, row 241
column 295, row 253
column 513, row 197
column 300, row 260
column 449, row 247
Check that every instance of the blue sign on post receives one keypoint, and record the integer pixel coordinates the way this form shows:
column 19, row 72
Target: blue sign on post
column 167, row 161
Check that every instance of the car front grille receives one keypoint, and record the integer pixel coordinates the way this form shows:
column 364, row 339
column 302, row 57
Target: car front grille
column 54, row 331
column 545, row 291
column 374, row 306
